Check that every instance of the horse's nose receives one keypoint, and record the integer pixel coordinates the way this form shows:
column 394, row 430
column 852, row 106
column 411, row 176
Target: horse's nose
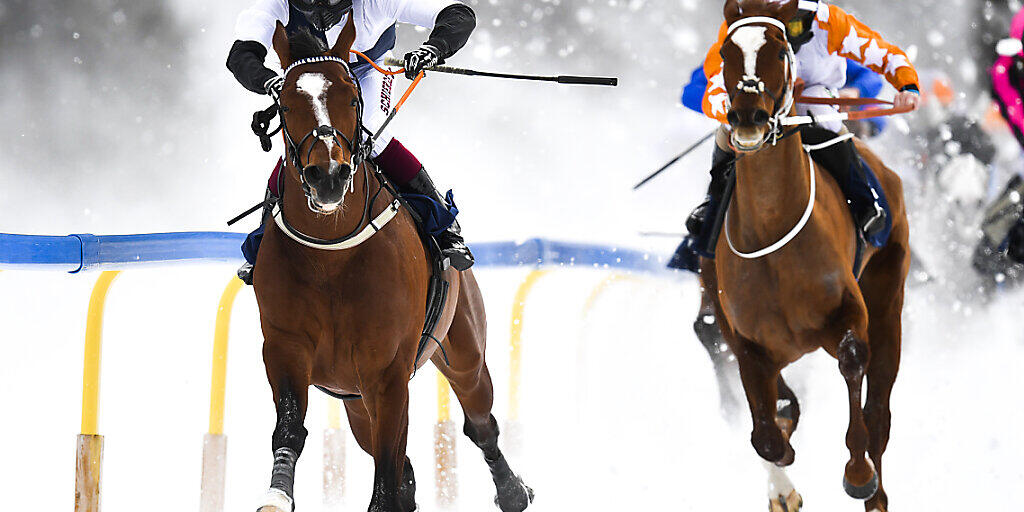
column 761, row 117
column 314, row 175
column 756, row 118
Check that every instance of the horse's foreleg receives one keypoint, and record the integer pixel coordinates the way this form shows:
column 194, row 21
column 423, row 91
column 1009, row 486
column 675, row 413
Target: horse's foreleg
column 359, row 422
column 387, row 402
column 860, row 480
column 760, row 376
column 288, row 371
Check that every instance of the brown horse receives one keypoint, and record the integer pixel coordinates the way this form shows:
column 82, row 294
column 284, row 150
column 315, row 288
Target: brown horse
column 349, row 321
column 777, row 304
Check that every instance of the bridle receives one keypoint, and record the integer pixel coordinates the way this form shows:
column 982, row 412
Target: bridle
column 325, row 133
column 359, row 147
column 754, row 84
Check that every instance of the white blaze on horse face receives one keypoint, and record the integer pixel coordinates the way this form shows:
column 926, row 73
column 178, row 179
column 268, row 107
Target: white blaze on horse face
column 750, row 40
column 314, row 86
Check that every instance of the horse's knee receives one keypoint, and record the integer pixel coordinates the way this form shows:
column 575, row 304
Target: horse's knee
column 853, row 356
column 290, row 432
column 771, row 444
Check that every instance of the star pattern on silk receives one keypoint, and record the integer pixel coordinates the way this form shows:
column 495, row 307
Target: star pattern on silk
column 896, row 61
column 875, row 55
column 853, row 43
column 717, row 82
column 718, row 102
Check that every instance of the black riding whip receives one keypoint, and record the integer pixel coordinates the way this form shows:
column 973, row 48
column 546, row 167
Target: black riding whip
column 672, row 162
column 561, row 79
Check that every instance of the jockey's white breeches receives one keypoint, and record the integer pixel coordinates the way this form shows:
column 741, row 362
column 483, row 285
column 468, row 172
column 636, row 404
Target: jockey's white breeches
column 376, row 90
column 820, row 91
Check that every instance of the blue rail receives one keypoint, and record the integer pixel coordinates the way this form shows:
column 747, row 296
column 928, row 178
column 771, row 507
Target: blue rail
column 76, row 253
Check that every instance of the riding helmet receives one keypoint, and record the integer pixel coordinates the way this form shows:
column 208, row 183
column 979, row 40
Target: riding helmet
column 323, row 14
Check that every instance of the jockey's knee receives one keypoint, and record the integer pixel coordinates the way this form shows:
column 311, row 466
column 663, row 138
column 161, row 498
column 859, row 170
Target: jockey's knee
column 398, row 163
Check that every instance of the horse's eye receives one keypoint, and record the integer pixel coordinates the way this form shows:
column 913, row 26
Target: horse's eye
column 353, row 102
column 782, row 54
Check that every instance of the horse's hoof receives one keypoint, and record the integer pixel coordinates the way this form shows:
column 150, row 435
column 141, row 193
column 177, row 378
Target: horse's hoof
column 863, row 492
column 791, row 503
column 514, row 496
column 275, row 500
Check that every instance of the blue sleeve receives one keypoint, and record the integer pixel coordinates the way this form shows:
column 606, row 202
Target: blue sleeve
column 693, row 92
column 866, row 81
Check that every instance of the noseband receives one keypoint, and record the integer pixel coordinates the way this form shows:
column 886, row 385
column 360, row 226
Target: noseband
column 754, row 85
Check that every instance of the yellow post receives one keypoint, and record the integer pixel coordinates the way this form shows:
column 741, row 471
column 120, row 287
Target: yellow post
column 89, row 457
column 334, row 457
column 512, row 429
column 445, row 461
column 215, row 443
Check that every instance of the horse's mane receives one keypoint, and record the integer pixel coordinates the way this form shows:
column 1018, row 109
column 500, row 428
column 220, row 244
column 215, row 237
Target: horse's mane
column 304, row 44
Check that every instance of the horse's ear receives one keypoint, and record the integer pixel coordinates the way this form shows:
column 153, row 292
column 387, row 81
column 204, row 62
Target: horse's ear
column 282, row 46
column 733, row 11
column 345, row 40
column 784, row 10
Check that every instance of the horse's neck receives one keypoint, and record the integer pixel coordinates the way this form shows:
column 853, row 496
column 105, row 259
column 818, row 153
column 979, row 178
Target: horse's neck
column 343, row 221
column 772, row 188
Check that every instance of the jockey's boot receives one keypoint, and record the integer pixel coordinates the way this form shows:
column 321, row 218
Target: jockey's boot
column 844, row 163
column 452, row 245
column 251, row 246
column 706, row 210
column 245, row 273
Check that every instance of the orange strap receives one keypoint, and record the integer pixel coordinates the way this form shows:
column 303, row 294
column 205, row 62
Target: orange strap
column 408, row 91
column 841, row 101
column 375, row 66
column 871, row 114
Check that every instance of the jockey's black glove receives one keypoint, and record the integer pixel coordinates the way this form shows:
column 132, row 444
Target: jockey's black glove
column 274, row 86
column 424, row 57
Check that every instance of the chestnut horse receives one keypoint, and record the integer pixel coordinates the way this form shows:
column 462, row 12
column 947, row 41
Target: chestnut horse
column 801, row 292
column 349, row 320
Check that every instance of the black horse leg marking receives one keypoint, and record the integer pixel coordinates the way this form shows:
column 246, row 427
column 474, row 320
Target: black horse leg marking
column 288, row 442
column 407, row 487
column 513, row 494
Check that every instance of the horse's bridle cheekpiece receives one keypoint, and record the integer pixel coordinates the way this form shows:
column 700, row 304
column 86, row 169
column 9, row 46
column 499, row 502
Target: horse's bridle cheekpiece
column 360, row 149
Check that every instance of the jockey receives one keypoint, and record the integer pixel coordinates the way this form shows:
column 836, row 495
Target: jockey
column 823, row 37
column 451, row 24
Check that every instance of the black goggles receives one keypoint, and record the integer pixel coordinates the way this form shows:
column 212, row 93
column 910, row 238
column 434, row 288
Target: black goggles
column 309, row 6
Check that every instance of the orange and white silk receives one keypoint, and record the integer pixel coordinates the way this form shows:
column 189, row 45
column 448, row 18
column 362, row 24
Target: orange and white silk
column 822, row 61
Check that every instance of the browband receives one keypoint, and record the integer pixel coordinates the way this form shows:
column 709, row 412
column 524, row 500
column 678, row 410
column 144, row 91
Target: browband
column 312, row 60
column 757, row 19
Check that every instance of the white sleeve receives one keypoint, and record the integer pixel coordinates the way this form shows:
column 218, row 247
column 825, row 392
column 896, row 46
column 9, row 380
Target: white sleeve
column 420, row 12
column 259, row 22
